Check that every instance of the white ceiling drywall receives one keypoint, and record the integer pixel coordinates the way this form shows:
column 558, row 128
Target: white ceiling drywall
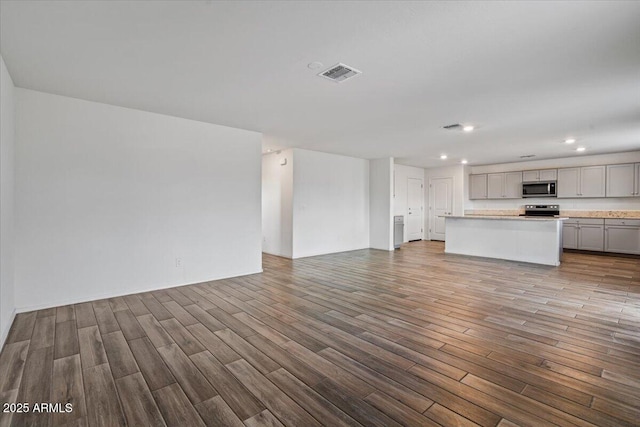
column 528, row 74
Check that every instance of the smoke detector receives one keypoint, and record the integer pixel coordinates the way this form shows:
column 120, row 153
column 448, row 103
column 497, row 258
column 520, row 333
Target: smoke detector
column 339, row 73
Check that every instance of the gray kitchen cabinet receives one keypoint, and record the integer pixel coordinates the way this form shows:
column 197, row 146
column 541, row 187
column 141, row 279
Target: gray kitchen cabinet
column 623, row 180
column 568, row 182
column 495, row 186
column 587, row 181
column 622, row 236
column 540, row 175
column 583, row 233
column 478, row 186
column 569, row 235
column 591, row 237
column 592, row 179
column 504, row 185
column 513, row 185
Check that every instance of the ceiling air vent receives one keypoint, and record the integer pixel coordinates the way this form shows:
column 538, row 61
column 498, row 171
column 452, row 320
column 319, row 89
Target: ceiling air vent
column 455, row 126
column 339, row 73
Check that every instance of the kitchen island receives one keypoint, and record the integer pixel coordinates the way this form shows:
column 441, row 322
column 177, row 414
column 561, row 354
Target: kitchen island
column 536, row 240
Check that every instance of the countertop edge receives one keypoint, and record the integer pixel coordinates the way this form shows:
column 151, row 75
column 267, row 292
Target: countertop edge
column 504, row 217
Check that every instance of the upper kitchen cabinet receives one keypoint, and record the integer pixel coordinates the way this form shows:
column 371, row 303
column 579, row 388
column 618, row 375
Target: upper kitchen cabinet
column 513, row 185
column 623, row 180
column 540, row 175
column 587, row 181
column 478, row 186
column 568, row 182
column 505, row 185
column 495, row 185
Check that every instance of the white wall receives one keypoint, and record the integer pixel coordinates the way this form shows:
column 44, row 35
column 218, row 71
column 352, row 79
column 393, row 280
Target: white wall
column 107, row 198
column 7, row 183
column 381, row 203
column 401, row 174
column 457, row 172
column 330, row 203
column 277, row 203
column 565, row 204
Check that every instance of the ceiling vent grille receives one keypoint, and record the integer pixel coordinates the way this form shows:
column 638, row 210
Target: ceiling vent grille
column 455, row 126
column 339, row 73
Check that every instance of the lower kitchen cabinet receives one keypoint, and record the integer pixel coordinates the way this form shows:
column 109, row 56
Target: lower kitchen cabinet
column 591, row 237
column 569, row 235
column 583, row 233
column 622, row 236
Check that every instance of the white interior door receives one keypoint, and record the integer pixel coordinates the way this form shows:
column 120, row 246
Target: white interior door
column 441, row 205
column 415, row 219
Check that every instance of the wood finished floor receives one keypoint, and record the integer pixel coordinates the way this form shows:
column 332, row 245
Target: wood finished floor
column 413, row 337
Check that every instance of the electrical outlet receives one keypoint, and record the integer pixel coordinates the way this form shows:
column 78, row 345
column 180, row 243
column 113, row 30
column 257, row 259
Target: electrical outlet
column 178, row 262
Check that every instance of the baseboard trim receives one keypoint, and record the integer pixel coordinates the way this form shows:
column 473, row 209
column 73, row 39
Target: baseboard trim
column 5, row 332
column 69, row 301
column 330, row 253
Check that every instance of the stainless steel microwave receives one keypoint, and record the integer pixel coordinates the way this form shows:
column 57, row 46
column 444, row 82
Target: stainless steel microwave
column 539, row 189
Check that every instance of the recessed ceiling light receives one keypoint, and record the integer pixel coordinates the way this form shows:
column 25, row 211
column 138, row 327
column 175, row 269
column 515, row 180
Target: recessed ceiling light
column 570, row 140
column 468, row 128
column 464, row 161
column 580, row 149
column 314, row 65
column 443, row 157
column 269, row 150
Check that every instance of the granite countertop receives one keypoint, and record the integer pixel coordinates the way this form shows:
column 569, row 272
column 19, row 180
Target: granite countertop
column 509, row 217
column 627, row 214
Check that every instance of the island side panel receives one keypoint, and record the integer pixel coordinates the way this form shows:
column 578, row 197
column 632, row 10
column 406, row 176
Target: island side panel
column 534, row 241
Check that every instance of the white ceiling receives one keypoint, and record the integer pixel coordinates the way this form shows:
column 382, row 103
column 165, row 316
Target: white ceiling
column 528, row 74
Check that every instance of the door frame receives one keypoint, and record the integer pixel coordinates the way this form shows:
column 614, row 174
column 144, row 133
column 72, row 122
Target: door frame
column 431, row 200
column 421, row 208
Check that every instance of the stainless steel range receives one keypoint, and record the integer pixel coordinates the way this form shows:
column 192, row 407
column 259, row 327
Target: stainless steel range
column 541, row 210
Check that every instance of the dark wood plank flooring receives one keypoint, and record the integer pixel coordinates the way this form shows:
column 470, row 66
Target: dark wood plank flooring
column 412, row 337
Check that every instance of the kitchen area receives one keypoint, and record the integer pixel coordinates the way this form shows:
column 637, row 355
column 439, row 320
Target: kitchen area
column 592, row 204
